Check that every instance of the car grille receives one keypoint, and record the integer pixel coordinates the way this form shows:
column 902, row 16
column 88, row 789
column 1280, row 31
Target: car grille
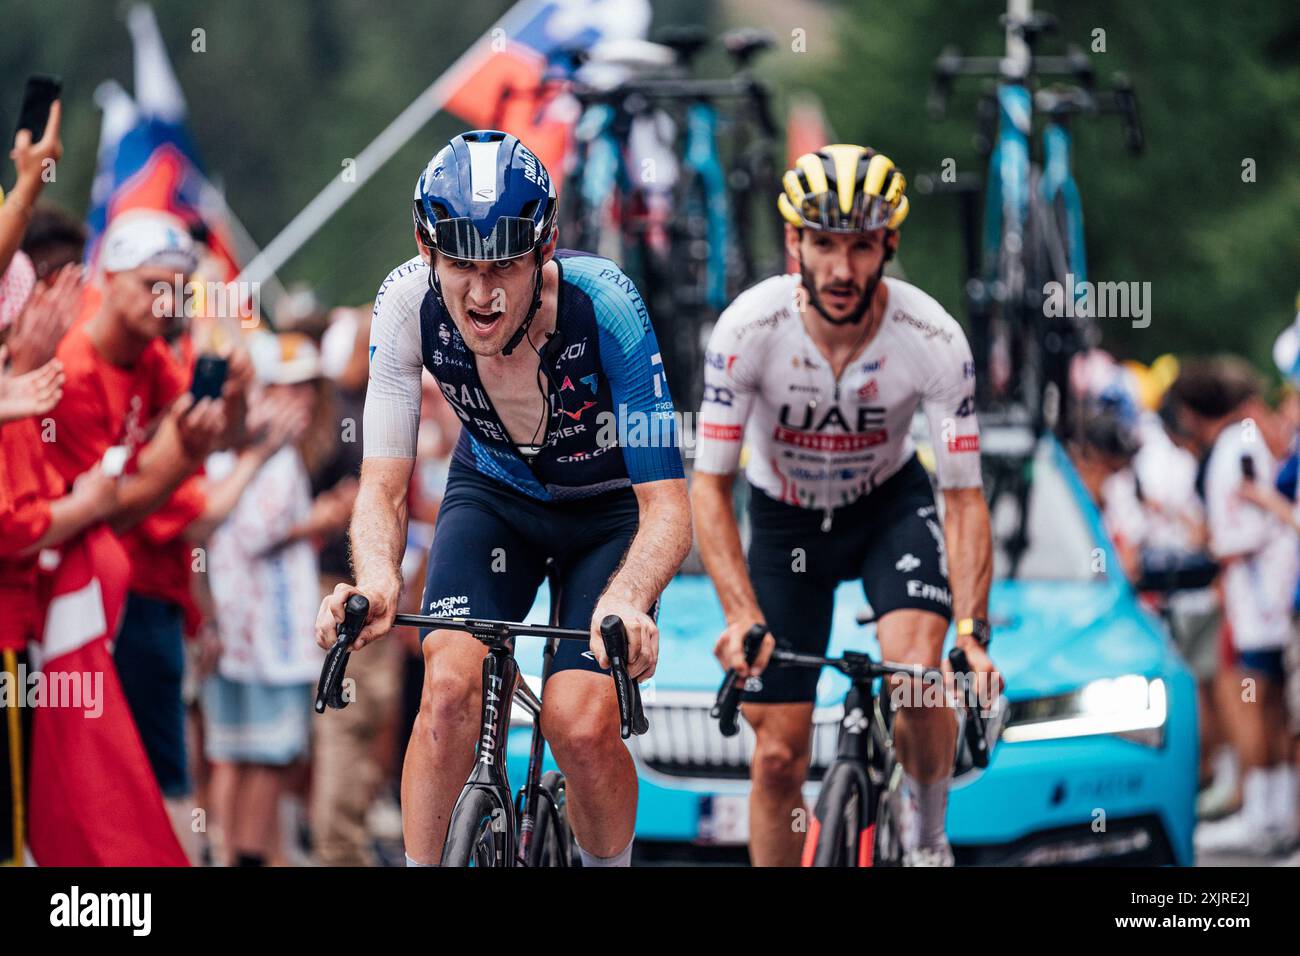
column 684, row 741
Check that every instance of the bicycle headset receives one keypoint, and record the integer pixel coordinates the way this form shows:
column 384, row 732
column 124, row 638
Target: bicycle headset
column 844, row 189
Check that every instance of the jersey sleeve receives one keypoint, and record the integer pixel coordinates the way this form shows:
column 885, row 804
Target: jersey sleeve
column 391, row 420
column 948, row 401
column 730, row 386
column 629, row 354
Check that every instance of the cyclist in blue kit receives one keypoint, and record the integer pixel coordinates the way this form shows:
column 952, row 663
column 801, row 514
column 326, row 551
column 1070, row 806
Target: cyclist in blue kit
column 534, row 348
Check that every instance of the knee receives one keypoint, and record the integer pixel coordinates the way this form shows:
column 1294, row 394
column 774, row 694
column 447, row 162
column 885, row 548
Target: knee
column 778, row 764
column 450, row 695
column 583, row 733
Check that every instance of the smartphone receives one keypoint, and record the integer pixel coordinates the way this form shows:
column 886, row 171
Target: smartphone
column 209, row 376
column 1247, row 468
column 41, row 92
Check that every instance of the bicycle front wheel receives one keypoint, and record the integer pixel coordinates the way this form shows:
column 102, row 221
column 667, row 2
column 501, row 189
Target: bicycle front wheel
column 477, row 834
column 841, row 835
column 553, row 843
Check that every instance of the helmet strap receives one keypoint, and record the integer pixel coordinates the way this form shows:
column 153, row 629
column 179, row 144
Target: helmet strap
column 533, row 308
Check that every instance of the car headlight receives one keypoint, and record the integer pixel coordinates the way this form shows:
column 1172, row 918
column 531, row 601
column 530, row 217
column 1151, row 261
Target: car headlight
column 1133, row 707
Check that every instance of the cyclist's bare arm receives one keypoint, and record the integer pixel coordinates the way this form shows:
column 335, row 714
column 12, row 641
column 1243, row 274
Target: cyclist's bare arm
column 718, row 536
column 661, row 542
column 969, row 542
column 378, row 536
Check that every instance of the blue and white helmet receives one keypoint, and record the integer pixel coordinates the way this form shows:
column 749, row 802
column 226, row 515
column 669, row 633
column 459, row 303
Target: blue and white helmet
column 485, row 196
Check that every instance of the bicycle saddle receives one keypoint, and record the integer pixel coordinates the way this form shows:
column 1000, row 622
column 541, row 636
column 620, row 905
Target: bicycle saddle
column 685, row 41
column 745, row 43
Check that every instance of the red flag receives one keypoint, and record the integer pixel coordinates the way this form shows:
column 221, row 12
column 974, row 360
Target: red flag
column 93, row 800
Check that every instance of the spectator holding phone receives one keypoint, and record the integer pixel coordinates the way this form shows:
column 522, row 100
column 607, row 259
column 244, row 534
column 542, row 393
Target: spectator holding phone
column 31, row 160
column 1221, row 407
column 127, row 389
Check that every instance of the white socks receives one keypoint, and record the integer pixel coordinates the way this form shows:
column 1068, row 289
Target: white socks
column 618, row 859
column 1283, row 794
column 410, row 862
column 931, row 800
column 1255, row 792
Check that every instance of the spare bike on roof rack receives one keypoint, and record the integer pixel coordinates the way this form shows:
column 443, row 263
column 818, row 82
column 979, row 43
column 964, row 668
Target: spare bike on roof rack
column 487, row 827
column 664, row 177
column 1033, row 232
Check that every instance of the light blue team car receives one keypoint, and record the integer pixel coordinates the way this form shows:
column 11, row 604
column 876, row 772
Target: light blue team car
column 1098, row 759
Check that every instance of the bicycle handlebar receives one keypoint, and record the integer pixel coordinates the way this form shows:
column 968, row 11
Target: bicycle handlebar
column 329, row 691
column 974, row 727
column 726, row 706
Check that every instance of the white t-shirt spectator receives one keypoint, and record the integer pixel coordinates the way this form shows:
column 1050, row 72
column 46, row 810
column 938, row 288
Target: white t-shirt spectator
column 266, row 594
column 1258, row 587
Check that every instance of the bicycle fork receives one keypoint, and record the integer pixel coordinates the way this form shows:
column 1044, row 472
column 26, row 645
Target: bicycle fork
column 500, row 671
column 854, row 748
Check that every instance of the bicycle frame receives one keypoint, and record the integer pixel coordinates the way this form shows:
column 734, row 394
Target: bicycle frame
column 701, row 156
column 500, row 670
column 1056, row 181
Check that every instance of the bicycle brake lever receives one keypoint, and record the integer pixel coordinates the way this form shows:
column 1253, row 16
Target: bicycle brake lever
column 727, row 705
column 974, row 727
column 631, row 714
column 329, row 690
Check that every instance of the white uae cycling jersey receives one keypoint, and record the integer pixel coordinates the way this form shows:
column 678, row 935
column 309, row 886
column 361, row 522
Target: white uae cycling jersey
column 818, row 442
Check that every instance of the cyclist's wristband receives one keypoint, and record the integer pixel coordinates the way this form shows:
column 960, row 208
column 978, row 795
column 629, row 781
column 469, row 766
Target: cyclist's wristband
column 975, row 627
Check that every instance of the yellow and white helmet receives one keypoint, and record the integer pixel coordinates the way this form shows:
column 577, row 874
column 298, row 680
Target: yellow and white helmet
column 843, row 188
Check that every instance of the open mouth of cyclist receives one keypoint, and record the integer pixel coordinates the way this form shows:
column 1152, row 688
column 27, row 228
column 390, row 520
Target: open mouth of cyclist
column 485, row 322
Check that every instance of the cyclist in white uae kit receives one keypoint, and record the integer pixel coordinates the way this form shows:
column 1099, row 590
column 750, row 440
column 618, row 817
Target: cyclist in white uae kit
column 820, row 374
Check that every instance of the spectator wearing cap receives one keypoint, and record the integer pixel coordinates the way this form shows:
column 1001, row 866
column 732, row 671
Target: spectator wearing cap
column 264, row 578
column 127, row 390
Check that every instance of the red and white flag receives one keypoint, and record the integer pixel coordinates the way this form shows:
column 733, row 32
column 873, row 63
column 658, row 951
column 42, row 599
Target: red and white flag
column 94, row 800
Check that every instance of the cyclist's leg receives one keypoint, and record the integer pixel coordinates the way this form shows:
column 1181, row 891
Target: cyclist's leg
column 579, row 708
column 794, row 568
column 480, row 566
column 904, row 573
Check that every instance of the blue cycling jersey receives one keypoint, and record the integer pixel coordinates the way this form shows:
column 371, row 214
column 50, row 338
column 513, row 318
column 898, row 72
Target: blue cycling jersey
column 611, row 421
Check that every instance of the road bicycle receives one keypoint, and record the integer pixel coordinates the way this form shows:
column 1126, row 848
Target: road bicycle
column 677, row 212
column 859, row 817
column 487, row 827
column 1033, row 233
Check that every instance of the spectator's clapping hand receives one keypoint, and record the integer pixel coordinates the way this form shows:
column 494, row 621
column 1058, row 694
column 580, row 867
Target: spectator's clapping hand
column 35, row 393
column 275, row 421
column 44, row 321
column 97, row 491
column 234, row 393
